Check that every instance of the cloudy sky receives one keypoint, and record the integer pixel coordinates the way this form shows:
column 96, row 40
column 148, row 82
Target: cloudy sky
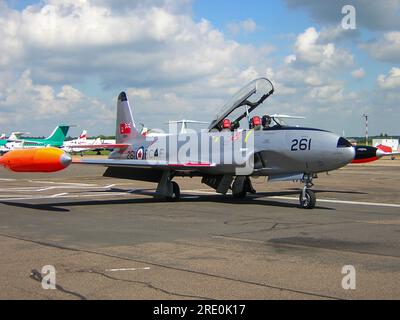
column 65, row 61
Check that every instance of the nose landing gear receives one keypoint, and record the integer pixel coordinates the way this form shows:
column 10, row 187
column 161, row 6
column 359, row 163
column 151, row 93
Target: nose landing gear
column 308, row 198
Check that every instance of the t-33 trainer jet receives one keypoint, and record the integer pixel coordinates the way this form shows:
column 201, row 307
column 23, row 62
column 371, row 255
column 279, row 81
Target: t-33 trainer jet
column 235, row 147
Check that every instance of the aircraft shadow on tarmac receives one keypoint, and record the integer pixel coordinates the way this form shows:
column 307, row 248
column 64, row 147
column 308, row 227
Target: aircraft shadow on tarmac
column 62, row 206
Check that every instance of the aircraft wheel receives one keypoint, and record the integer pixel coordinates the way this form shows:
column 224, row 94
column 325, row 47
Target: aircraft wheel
column 309, row 201
column 176, row 192
column 240, row 195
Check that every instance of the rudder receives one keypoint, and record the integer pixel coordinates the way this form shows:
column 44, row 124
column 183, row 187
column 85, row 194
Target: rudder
column 125, row 127
column 59, row 134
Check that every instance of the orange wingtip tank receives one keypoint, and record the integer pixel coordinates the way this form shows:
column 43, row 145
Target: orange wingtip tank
column 36, row 160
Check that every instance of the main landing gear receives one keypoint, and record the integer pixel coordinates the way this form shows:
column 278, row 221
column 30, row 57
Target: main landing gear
column 241, row 187
column 176, row 192
column 168, row 190
column 308, row 198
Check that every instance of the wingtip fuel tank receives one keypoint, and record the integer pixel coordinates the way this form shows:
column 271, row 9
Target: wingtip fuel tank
column 36, row 160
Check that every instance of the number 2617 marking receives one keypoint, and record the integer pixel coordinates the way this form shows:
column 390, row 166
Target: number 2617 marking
column 301, row 145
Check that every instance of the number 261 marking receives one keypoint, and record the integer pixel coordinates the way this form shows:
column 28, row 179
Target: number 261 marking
column 301, row 145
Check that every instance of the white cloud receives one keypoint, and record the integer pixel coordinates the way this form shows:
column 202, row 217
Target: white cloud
column 309, row 49
column 390, row 81
column 337, row 33
column 244, row 26
column 152, row 47
column 149, row 45
column 372, row 15
column 386, row 48
column 358, row 74
column 328, row 93
column 290, row 58
column 58, row 55
column 25, row 104
column 142, row 93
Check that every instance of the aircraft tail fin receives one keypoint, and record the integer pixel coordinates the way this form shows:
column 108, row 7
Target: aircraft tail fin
column 126, row 129
column 83, row 135
column 59, row 134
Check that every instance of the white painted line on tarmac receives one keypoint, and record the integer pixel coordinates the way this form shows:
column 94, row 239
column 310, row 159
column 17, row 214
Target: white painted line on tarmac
column 58, row 195
column 6, row 196
column 200, row 191
column 20, row 189
column 64, row 183
column 4, row 179
column 127, row 269
column 69, row 187
column 358, row 203
column 67, row 196
column 40, row 189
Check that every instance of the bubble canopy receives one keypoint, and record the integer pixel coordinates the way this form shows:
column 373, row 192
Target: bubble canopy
column 249, row 97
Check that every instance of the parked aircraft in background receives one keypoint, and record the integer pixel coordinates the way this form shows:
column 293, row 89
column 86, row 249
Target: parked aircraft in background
column 17, row 135
column 365, row 154
column 15, row 141
column 83, row 144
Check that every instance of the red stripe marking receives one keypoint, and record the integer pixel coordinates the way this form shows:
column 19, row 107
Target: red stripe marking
column 366, row 160
column 190, row 165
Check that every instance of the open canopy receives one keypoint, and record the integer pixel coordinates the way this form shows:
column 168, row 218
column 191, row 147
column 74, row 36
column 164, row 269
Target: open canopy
column 248, row 98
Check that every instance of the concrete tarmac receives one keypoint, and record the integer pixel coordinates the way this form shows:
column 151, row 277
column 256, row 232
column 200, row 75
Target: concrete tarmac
column 109, row 239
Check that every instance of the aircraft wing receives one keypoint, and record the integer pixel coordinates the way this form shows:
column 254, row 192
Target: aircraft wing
column 145, row 164
column 26, row 141
column 100, row 146
column 389, row 154
column 386, row 151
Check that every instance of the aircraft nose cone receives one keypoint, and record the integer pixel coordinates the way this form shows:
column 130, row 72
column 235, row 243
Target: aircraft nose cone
column 65, row 160
column 380, row 153
column 352, row 154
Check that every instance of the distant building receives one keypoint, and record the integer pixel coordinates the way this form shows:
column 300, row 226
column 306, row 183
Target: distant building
column 393, row 143
column 353, row 141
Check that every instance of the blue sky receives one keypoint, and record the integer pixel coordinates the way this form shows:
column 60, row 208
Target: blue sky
column 66, row 61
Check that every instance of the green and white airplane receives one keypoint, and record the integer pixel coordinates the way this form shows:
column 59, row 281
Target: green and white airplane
column 56, row 139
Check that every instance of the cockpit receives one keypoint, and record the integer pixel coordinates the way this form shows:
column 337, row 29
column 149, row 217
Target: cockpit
column 242, row 104
column 237, row 110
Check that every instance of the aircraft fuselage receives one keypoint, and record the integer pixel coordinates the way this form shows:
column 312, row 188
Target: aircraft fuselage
column 281, row 150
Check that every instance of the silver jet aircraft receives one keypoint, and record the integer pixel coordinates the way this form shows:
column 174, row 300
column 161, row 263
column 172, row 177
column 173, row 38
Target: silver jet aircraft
column 235, row 147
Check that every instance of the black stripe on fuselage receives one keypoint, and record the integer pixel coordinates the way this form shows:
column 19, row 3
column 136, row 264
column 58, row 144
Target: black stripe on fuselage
column 283, row 128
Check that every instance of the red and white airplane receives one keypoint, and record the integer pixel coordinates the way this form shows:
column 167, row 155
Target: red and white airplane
column 83, row 144
column 365, row 154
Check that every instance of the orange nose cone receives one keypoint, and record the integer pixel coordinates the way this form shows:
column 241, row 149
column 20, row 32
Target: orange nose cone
column 36, row 160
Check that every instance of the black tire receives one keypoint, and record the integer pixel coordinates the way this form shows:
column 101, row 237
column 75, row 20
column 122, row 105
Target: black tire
column 310, row 201
column 240, row 195
column 176, row 192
